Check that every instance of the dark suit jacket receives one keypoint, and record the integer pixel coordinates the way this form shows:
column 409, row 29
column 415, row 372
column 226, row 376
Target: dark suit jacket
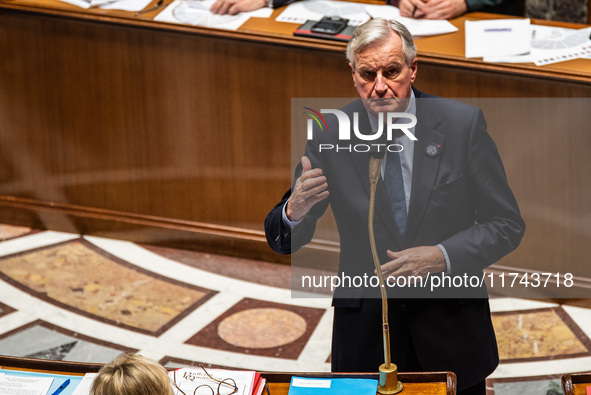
column 459, row 199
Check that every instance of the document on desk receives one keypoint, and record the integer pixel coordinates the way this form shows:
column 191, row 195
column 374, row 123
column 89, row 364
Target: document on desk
column 332, row 386
column 187, row 380
column 79, row 3
column 497, row 37
column 558, row 45
column 24, row 385
column 197, row 13
column 125, row 5
column 54, row 380
column 314, row 10
column 417, row 27
column 551, row 44
column 85, row 385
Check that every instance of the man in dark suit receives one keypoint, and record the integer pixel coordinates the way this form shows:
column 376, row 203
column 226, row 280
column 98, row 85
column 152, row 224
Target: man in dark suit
column 443, row 206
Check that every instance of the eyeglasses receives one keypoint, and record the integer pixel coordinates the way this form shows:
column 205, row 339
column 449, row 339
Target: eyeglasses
column 225, row 387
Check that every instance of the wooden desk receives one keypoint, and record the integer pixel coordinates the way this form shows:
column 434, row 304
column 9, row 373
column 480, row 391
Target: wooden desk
column 576, row 383
column 432, row 383
column 119, row 126
column 414, row 383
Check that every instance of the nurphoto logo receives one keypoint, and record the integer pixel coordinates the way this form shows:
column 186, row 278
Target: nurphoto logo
column 380, row 140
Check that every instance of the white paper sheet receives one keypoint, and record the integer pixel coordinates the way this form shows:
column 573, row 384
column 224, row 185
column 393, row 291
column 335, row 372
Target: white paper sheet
column 314, row 10
column 24, row 385
column 85, row 385
column 562, row 45
column 79, row 3
column 551, row 45
column 497, row 37
column 196, row 13
column 417, row 27
column 125, row 5
column 187, row 379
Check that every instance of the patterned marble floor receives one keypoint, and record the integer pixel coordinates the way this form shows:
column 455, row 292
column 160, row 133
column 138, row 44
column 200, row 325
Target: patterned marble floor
column 67, row 297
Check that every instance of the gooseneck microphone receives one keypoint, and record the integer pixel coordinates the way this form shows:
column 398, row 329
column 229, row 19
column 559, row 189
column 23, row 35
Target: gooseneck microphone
column 388, row 380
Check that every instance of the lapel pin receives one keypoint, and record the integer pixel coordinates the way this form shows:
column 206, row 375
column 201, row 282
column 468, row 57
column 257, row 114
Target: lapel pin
column 432, row 150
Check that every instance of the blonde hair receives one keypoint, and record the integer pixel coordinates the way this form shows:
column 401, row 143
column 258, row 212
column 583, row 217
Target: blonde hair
column 131, row 374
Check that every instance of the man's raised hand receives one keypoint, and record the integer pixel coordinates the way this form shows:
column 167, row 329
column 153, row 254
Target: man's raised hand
column 309, row 189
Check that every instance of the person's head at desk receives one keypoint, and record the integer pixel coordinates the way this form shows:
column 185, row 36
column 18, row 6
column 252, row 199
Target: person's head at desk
column 132, row 374
column 447, row 9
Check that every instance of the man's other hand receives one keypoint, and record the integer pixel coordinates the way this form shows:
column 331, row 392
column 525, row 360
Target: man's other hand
column 233, row 7
column 309, row 189
column 432, row 9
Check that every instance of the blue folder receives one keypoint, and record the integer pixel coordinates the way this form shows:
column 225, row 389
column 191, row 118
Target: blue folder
column 332, row 386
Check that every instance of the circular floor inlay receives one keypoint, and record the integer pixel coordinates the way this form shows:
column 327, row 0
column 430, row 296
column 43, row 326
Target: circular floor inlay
column 262, row 328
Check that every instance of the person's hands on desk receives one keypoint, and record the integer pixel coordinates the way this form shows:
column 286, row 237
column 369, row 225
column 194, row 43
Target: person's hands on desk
column 432, row 9
column 233, row 7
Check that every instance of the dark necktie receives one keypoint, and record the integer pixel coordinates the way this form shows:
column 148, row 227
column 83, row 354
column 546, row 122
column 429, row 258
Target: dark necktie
column 395, row 189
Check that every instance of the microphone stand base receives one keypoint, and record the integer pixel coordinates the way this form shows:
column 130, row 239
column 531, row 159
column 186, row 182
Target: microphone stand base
column 388, row 382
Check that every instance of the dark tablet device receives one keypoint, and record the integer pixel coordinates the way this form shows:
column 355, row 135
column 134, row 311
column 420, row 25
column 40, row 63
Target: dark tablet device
column 329, row 25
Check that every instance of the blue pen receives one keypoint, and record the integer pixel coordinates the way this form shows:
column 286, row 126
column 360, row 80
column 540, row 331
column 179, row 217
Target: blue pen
column 61, row 388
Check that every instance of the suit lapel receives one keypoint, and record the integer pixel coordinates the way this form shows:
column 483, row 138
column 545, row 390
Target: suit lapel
column 424, row 167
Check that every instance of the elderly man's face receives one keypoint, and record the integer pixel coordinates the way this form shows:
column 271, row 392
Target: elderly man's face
column 381, row 75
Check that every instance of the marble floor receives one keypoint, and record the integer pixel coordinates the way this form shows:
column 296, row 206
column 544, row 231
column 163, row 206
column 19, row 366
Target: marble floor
column 70, row 297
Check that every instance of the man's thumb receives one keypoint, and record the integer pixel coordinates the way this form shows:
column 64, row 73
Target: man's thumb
column 306, row 164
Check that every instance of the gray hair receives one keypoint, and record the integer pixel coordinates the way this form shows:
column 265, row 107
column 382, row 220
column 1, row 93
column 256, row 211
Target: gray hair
column 377, row 30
